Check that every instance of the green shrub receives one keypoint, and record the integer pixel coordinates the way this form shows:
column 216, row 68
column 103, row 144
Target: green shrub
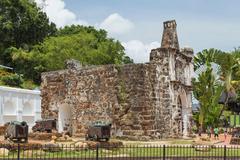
column 29, row 84
column 194, row 129
column 13, row 80
column 3, row 73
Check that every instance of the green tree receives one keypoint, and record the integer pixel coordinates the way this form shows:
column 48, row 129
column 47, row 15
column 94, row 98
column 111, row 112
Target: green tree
column 205, row 58
column 226, row 77
column 236, row 73
column 13, row 80
column 207, row 91
column 229, row 71
column 86, row 44
column 22, row 24
column 229, row 67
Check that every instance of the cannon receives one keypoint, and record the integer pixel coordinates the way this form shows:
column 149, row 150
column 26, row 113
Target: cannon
column 16, row 131
column 47, row 125
column 99, row 131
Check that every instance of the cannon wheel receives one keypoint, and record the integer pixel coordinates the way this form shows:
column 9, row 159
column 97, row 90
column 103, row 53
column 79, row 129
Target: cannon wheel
column 86, row 137
column 95, row 137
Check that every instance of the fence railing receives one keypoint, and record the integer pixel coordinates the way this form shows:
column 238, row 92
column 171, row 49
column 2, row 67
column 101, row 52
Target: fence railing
column 164, row 152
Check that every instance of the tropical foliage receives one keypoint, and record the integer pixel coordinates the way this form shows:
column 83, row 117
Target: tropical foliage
column 22, row 24
column 12, row 80
column 31, row 44
column 205, row 87
column 86, row 44
column 218, row 73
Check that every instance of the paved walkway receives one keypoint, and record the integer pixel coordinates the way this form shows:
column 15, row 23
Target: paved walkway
column 221, row 140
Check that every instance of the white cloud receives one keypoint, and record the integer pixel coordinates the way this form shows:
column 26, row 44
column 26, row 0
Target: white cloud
column 116, row 24
column 139, row 51
column 58, row 14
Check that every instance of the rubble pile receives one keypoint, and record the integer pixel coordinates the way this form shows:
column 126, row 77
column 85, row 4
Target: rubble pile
column 43, row 136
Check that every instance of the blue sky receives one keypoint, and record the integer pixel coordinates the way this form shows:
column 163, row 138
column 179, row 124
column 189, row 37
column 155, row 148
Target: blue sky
column 138, row 23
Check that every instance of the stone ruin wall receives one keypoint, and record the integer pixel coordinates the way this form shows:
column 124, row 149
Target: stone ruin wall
column 124, row 95
column 140, row 100
column 93, row 93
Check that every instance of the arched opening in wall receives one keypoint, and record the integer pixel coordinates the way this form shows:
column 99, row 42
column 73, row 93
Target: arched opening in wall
column 10, row 108
column 183, row 103
column 65, row 118
column 28, row 109
column 9, row 111
column 28, row 113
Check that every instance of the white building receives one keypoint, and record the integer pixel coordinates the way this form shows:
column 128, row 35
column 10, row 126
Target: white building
column 19, row 104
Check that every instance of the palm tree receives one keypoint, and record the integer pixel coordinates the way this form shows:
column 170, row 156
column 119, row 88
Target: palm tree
column 209, row 86
column 228, row 71
column 206, row 86
column 229, row 74
column 205, row 58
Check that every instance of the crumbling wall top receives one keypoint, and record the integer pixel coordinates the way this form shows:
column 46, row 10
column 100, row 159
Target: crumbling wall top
column 170, row 24
column 72, row 64
column 187, row 49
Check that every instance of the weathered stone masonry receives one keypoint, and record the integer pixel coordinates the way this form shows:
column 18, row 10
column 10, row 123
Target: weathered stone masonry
column 151, row 100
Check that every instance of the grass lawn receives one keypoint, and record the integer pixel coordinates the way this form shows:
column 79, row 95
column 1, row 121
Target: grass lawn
column 181, row 142
column 170, row 151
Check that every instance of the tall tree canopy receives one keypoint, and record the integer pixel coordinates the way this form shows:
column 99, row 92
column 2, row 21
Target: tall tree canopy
column 219, row 73
column 31, row 44
column 86, row 44
column 205, row 86
column 22, row 24
column 229, row 66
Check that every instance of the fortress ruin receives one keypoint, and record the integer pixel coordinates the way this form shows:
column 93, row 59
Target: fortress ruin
column 151, row 100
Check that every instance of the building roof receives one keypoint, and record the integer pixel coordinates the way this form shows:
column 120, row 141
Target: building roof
column 227, row 96
column 19, row 90
column 2, row 66
column 195, row 107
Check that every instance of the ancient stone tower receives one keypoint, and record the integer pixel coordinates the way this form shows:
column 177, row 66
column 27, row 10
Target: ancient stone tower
column 174, row 70
column 142, row 101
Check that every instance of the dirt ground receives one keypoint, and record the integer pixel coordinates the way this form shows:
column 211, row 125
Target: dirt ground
column 198, row 140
